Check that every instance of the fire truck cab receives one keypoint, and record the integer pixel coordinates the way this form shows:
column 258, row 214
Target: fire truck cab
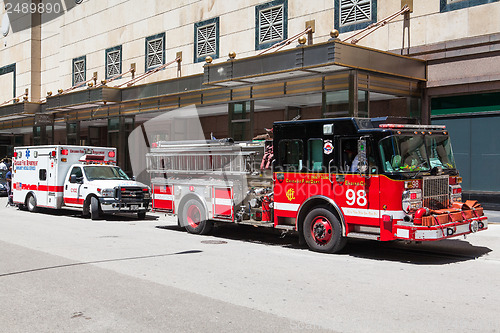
column 327, row 179
column 75, row 177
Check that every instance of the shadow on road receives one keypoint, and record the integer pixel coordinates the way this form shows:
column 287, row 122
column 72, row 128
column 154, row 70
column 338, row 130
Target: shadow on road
column 99, row 262
column 251, row 234
column 120, row 217
column 430, row 253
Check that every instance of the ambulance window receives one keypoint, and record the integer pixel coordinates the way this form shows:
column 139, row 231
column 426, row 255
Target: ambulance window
column 291, row 155
column 42, row 174
column 77, row 171
column 315, row 152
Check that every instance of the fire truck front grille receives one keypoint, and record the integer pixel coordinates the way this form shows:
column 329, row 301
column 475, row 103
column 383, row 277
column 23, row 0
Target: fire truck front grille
column 131, row 193
column 436, row 192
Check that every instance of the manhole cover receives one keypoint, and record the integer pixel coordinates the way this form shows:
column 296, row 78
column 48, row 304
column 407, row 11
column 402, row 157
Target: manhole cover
column 213, row 242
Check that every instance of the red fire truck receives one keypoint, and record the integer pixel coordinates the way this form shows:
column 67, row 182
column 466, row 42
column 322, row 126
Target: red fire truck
column 327, row 179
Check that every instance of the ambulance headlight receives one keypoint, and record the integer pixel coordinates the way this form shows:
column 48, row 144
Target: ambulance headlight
column 108, row 193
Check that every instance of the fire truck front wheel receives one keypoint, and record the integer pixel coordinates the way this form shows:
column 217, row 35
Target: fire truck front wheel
column 194, row 219
column 322, row 231
column 31, row 203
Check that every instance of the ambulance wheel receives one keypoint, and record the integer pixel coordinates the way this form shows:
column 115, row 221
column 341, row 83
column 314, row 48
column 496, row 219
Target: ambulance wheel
column 95, row 209
column 193, row 218
column 31, row 203
column 141, row 215
column 322, row 231
column 86, row 208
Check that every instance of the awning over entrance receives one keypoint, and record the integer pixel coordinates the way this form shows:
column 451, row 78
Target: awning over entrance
column 19, row 114
column 303, row 60
column 83, row 99
column 315, row 69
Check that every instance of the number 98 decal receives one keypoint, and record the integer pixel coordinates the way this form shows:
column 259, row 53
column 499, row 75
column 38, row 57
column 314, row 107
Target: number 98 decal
column 358, row 198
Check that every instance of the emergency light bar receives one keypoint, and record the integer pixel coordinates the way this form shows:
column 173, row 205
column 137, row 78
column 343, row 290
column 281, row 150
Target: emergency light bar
column 399, row 126
column 92, row 158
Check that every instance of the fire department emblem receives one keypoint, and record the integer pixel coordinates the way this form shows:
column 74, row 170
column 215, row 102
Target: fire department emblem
column 328, row 147
column 290, row 194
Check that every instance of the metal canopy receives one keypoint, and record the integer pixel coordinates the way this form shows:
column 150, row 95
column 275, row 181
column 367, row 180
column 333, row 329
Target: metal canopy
column 19, row 110
column 83, row 99
column 161, row 88
column 220, row 82
column 320, row 58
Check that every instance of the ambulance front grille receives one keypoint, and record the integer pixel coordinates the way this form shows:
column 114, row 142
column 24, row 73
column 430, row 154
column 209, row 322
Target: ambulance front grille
column 436, row 192
column 131, row 193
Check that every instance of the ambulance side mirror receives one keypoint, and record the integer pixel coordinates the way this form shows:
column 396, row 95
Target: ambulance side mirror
column 72, row 179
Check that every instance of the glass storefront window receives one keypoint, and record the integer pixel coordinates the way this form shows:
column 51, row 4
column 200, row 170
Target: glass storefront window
column 336, row 104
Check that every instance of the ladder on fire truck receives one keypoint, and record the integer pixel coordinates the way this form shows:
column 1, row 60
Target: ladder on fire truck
column 208, row 158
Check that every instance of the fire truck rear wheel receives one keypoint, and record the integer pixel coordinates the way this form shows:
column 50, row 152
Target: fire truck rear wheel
column 194, row 218
column 31, row 203
column 322, row 231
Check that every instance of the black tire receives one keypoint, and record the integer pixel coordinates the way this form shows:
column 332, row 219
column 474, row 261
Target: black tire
column 95, row 209
column 194, row 218
column 322, row 231
column 86, row 208
column 31, row 203
column 141, row 215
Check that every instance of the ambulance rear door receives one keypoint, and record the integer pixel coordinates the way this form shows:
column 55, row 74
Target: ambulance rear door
column 38, row 163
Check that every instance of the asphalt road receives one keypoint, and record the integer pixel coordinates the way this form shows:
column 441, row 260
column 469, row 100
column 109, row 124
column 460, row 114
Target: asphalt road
column 62, row 273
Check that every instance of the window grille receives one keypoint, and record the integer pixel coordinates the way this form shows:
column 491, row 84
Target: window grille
column 113, row 63
column 155, row 51
column 271, row 24
column 78, row 71
column 355, row 11
column 206, row 43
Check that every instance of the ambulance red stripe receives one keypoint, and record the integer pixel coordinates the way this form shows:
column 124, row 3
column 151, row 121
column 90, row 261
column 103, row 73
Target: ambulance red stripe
column 77, row 201
column 45, row 188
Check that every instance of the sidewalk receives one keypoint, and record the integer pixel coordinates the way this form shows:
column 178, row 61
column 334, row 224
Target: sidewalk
column 493, row 216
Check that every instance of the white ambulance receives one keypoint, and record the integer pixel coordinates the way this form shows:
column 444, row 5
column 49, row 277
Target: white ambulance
column 75, row 177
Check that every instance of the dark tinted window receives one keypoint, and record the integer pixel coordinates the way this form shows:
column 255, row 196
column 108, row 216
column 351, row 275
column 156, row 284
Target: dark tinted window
column 291, row 155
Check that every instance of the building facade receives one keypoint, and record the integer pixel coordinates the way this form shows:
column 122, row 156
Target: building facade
column 53, row 63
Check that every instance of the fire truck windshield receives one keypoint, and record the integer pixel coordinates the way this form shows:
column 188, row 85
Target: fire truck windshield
column 102, row 172
column 408, row 153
